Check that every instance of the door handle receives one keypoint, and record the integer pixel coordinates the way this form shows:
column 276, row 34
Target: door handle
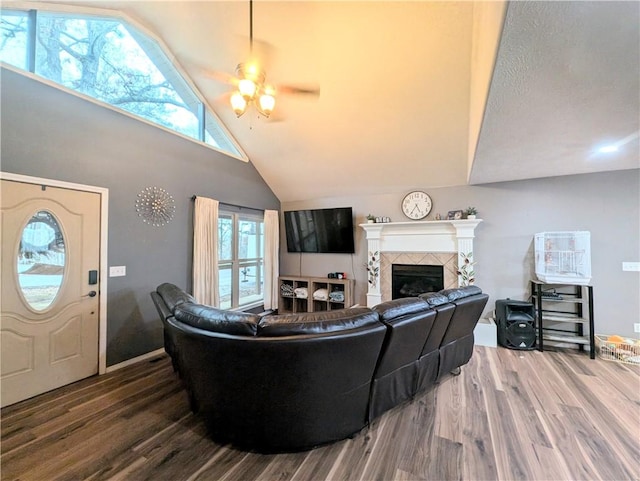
column 91, row 294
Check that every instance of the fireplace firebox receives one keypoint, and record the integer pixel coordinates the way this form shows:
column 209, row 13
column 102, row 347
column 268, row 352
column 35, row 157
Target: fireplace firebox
column 410, row 280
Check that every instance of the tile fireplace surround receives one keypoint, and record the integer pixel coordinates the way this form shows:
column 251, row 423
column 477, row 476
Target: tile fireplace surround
column 437, row 242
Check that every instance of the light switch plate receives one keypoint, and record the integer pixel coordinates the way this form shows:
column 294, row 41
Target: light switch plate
column 117, row 271
column 631, row 266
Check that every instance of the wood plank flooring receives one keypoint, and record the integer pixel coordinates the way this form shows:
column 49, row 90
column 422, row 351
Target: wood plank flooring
column 510, row 415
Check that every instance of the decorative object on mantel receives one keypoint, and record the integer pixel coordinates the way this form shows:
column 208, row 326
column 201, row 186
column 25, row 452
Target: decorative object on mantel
column 454, row 215
column 471, row 212
column 438, row 217
column 371, row 219
column 416, row 205
column 373, row 268
column 155, row 206
column 465, row 269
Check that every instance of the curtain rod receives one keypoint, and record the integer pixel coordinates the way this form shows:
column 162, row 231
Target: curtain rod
column 193, row 198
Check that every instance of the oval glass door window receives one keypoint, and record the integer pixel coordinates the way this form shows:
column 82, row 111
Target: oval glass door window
column 41, row 260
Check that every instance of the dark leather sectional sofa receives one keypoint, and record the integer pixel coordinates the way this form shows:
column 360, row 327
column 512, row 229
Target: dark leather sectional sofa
column 294, row 381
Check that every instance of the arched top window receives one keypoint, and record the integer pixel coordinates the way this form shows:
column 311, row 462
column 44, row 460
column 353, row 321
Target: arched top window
column 113, row 61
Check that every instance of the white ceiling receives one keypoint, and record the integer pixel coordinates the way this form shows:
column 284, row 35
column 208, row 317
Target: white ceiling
column 402, row 95
column 566, row 82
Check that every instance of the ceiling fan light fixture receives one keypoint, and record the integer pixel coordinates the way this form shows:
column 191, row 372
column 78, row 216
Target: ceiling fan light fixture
column 267, row 103
column 250, row 80
column 238, row 103
column 252, row 72
column 247, row 88
column 251, row 86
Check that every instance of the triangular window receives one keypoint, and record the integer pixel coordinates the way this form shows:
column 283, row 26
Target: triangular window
column 112, row 61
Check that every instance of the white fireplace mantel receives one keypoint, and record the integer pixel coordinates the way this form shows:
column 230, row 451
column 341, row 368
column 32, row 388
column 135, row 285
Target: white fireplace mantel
column 418, row 236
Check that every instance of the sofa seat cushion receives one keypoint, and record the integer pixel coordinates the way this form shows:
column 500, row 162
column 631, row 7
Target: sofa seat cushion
column 316, row 322
column 461, row 292
column 404, row 306
column 434, row 298
column 173, row 296
column 217, row 320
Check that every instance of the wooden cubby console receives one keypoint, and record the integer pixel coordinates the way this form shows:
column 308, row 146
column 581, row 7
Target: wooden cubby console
column 289, row 302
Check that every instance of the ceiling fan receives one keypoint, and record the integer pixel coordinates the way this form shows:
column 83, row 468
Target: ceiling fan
column 251, row 84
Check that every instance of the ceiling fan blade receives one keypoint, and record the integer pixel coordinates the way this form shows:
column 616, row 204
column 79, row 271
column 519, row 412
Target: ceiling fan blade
column 223, row 100
column 298, row 90
column 222, row 77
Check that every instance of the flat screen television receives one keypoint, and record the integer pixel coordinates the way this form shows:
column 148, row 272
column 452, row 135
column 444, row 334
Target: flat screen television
column 320, row 230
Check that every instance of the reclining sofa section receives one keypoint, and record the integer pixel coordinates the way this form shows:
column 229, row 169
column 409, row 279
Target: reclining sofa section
column 289, row 382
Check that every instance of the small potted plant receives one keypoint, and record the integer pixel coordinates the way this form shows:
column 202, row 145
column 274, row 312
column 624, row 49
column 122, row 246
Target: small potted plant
column 371, row 219
column 471, row 212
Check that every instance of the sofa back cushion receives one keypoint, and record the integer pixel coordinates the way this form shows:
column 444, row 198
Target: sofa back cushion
column 217, row 320
column 465, row 317
column 460, row 292
column 444, row 313
column 434, row 299
column 396, row 308
column 173, row 296
column 316, row 322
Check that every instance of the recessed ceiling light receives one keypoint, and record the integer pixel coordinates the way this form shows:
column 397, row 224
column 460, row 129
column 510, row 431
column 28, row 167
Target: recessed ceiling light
column 607, row 149
column 616, row 146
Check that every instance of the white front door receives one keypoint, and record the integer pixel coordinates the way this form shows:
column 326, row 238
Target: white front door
column 49, row 319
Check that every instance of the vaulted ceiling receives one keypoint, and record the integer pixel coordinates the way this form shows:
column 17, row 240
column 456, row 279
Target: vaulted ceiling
column 418, row 94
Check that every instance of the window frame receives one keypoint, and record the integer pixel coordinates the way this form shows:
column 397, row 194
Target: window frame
column 203, row 112
column 236, row 262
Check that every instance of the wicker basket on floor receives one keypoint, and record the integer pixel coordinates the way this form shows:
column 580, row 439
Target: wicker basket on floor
column 627, row 352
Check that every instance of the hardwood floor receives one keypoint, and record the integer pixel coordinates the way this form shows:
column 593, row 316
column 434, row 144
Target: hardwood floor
column 509, row 415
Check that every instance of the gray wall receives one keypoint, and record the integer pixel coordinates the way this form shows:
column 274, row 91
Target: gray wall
column 606, row 204
column 48, row 133
column 51, row 134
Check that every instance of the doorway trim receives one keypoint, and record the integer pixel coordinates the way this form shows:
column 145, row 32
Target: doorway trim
column 104, row 224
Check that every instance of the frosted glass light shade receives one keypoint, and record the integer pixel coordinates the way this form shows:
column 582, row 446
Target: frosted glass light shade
column 247, row 88
column 267, row 103
column 238, row 103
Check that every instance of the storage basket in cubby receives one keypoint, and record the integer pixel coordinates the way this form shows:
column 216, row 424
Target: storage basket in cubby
column 563, row 257
column 627, row 351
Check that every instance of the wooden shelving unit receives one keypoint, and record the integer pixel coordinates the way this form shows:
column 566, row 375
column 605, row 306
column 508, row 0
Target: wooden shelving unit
column 290, row 302
column 567, row 317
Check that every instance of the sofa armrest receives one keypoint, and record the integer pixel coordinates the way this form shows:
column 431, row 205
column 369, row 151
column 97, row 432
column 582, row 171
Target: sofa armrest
column 163, row 310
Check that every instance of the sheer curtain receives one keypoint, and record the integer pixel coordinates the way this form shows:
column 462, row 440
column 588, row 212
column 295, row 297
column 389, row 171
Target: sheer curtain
column 271, row 258
column 205, row 251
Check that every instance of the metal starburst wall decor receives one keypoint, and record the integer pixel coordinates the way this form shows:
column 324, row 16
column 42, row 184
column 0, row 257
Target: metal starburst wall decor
column 155, row 206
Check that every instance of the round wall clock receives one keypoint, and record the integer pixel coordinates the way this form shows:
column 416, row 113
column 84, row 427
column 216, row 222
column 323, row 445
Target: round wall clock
column 416, row 205
column 155, row 206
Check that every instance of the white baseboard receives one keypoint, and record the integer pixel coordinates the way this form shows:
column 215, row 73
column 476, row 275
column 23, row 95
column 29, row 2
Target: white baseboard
column 486, row 333
column 129, row 362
